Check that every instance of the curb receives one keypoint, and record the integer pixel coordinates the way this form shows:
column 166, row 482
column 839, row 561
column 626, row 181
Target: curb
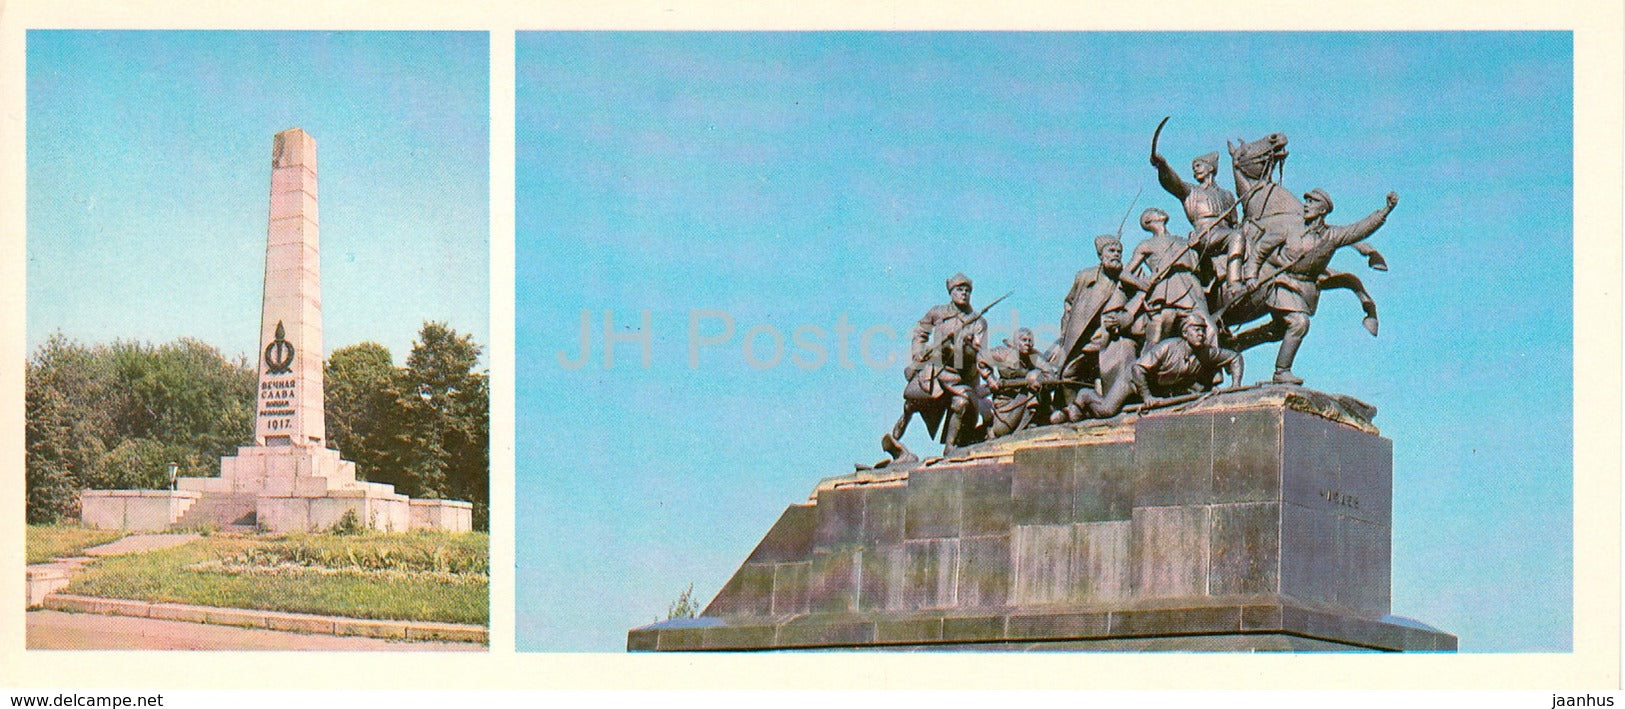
column 271, row 620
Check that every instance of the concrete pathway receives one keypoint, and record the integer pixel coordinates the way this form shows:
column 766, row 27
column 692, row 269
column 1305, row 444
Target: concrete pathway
column 50, row 577
column 55, row 630
column 137, row 543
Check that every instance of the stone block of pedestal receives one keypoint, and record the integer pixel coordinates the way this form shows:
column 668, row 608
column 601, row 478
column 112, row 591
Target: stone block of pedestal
column 134, row 510
column 375, row 506
column 444, row 515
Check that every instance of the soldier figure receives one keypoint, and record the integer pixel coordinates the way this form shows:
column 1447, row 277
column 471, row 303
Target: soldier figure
column 1301, row 259
column 1190, row 363
column 942, row 373
column 1095, row 290
column 1177, row 291
column 1212, row 212
column 1016, row 376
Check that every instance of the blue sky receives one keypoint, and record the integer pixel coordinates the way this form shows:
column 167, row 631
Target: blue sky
column 149, row 178
column 832, row 181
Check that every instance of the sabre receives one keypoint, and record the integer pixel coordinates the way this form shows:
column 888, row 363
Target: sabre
column 1197, row 239
column 1158, row 132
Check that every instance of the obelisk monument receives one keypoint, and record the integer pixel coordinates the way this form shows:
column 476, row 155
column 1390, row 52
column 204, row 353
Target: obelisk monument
column 289, row 406
column 289, row 480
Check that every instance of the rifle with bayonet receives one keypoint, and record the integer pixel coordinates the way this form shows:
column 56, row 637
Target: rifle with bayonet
column 1186, row 246
column 949, row 329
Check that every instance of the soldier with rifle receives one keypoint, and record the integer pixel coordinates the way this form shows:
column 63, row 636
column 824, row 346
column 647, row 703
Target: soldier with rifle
column 1191, row 362
column 1016, row 376
column 941, row 372
column 1175, row 290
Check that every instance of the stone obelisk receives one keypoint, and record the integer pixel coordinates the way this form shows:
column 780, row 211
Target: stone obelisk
column 289, row 480
column 289, row 407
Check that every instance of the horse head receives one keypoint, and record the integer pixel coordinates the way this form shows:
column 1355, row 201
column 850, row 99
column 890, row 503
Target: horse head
column 1254, row 159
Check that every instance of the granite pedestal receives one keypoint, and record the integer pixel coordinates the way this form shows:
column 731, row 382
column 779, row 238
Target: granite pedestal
column 1257, row 520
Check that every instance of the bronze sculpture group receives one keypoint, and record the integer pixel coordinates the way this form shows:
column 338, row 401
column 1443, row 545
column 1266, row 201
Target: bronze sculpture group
column 1166, row 323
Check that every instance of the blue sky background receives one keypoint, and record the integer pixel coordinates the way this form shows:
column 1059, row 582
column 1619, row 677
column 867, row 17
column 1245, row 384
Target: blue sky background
column 815, row 179
column 149, row 168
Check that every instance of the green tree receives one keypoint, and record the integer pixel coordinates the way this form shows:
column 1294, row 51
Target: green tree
column 684, row 606
column 135, row 464
column 64, row 435
column 444, row 405
column 185, row 397
column 360, row 407
column 423, row 428
column 114, row 416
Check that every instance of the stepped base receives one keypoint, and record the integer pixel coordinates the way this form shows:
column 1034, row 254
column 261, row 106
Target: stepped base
column 283, row 471
column 1241, row 625
column 274, row 489
column 219, row 511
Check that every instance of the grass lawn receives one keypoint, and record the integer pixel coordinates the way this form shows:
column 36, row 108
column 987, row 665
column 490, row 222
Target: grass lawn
column 428, row 576
column 51, row 541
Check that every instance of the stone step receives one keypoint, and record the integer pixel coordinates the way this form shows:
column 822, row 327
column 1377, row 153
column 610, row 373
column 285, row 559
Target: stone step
column 44, row 580
column 221, row 510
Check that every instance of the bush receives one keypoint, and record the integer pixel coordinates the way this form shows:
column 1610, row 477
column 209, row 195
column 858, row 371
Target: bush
column 684, row 606
column 349, row 524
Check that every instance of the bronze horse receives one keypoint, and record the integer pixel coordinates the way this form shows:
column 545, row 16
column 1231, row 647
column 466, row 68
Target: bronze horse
column 1271, row 212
